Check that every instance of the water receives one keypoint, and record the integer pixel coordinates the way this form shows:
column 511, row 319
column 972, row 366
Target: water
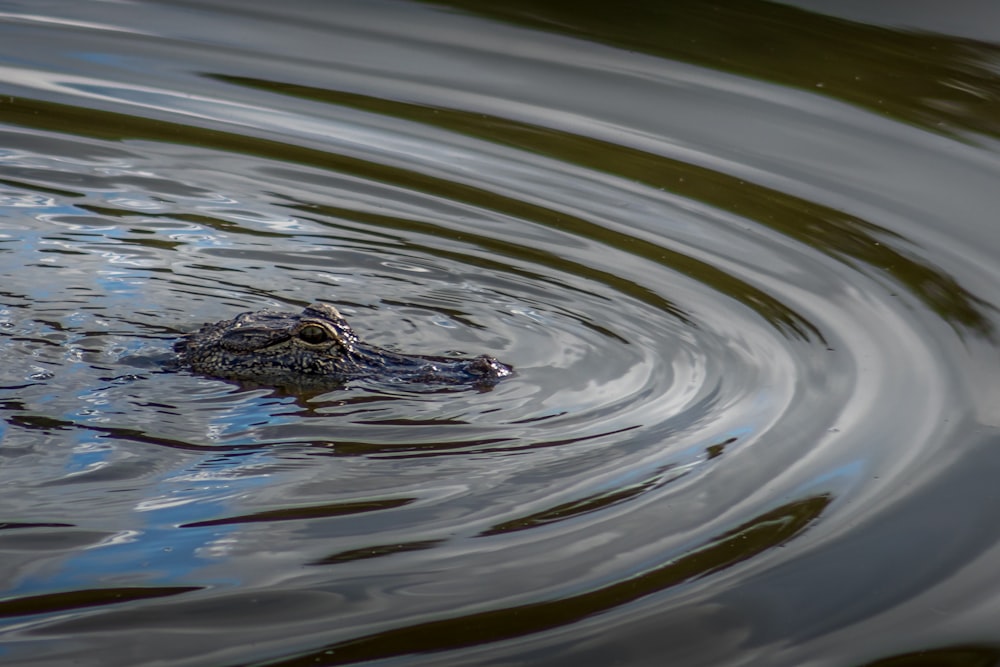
column 742, row 255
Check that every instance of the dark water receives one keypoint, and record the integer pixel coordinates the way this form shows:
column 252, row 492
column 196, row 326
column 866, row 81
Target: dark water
column 743, row 255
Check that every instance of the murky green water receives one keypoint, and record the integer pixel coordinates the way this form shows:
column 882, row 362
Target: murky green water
column 743, row 256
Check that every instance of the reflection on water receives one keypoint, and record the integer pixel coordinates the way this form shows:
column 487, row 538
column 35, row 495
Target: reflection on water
column 942, row 83
column 741, row 254
column 744, row 542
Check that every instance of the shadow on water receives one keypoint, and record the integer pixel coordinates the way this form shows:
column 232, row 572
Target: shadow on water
column 762, row 533
column 575, row 508
column 377, row 551
column 942, row 83
column 953, row 656
column 52, row 603
column 47, row 425
column 310, row 512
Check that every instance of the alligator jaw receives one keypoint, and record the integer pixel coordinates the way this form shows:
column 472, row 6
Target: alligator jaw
column 371, row 362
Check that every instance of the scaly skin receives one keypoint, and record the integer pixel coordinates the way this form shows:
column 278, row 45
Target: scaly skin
column 317, row 348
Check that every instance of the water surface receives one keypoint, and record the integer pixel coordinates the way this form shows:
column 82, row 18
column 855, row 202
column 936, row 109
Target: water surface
column 742, row 255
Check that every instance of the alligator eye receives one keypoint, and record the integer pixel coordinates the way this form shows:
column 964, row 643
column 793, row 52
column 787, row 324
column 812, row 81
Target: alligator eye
column 313, row 334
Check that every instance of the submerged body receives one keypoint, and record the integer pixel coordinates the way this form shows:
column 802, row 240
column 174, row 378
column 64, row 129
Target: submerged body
column 317, row 348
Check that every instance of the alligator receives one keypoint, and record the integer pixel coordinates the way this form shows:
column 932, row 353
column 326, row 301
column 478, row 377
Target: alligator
column 315, row 349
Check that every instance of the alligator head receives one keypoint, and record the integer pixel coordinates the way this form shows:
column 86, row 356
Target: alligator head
column 317, row 348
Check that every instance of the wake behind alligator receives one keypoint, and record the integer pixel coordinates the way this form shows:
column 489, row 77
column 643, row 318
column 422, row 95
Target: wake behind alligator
column 317, row 348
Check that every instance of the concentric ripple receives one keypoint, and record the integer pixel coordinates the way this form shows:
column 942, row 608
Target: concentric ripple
column 748, row 353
